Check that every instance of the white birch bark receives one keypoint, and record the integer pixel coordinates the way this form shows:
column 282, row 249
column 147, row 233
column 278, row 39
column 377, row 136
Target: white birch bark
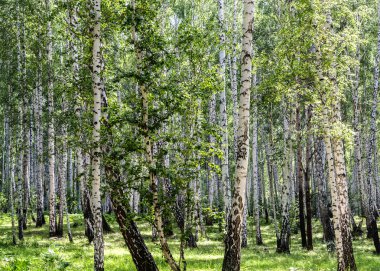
column 97, row 86
column 255, row 174
column 234, row 84
column 232, row 254
column 39, row 142
column 223, row 114
column 51, row 131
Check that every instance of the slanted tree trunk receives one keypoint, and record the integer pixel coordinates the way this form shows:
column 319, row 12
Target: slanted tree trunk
column 141, row 256
column 148, row 144
column 232, row 254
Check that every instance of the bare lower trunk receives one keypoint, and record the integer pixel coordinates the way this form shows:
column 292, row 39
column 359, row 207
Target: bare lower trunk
column 141, row 256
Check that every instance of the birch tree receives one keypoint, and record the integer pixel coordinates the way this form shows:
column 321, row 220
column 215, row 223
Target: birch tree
column 98, row 87
column 232, row 255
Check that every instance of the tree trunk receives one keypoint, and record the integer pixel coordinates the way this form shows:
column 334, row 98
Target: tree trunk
column 212, row 178
column 255, row 175
column 51, row 132
column 300, row 181
column 11, row 198
column 372, row 211
column 234, row 84
column 309, row 214
column 97, row 83
column 283, row 244
column 232, row 254
column 223, row 113
column 328, row 229
column 141, row 256
column 39, row 141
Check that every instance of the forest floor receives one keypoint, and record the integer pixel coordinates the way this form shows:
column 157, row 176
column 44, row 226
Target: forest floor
column 39, row 253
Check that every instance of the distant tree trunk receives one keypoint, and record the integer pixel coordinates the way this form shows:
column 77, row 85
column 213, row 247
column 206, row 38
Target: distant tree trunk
column 264, row 197
column 283, row 245
column 39, row 141
column 300, row 180
column 244, row 237
column 70, row 184
column 51, row 132
column 212, row 178
column 328, row 229
column 307, row 171
column 20, row 214
column 372, row 154
column 11, row 198
column 10, row 176
column 255, row 174
column 223, row 113
column 60, row 192
column 232, row 254
column 197, row 200
column 25, row 126
column 357, row 171
column 24, row 131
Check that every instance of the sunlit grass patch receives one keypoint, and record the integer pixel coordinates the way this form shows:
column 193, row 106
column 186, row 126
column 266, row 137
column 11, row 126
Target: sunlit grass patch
column 38, row 253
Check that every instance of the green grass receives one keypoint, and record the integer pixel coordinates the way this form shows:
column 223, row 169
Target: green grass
column 39, row 253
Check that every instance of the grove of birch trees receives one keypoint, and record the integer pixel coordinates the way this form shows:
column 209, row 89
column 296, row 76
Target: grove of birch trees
column 167, row 123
